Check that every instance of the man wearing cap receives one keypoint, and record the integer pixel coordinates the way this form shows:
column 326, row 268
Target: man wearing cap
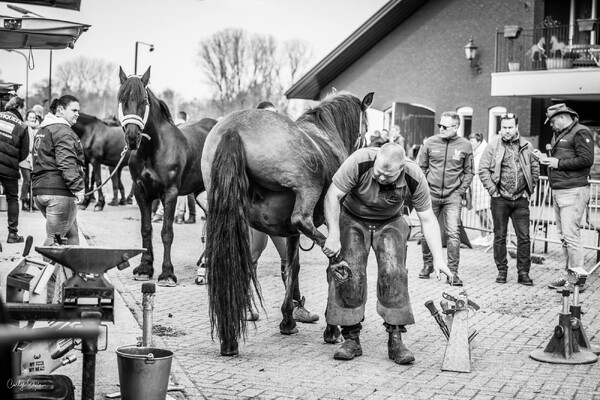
column 569, row 162
column 14, row 148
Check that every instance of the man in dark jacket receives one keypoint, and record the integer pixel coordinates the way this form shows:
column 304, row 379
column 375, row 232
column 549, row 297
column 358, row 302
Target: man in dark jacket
column 14, row 148
column 447, row 161
column 509, row 171
column 569, row 162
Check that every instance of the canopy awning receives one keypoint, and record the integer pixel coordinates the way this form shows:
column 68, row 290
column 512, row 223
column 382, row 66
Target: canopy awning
column 38, row 33
column 67, row 4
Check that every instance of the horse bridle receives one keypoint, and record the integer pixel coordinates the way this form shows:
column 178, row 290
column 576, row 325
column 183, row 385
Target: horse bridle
column 134, row 118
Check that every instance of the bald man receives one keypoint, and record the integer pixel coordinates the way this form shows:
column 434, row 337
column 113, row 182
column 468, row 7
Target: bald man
column 363, row 210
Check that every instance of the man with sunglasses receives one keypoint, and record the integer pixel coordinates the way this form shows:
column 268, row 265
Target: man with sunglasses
column 373, row 186
column 447, row 161
column 569, row 162
column 509, row 171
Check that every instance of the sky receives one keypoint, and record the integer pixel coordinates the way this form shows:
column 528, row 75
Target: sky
column 176, row 27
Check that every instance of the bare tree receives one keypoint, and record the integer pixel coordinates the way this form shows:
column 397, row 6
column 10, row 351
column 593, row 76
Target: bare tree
column 245, row 69
column 298, row 54
column 92, row 80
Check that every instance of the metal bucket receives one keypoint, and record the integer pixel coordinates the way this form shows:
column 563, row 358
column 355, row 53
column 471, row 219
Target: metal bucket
column 144, row 372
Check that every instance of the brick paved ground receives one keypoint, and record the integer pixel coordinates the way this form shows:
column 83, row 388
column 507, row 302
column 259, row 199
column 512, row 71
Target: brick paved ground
column 514, row 321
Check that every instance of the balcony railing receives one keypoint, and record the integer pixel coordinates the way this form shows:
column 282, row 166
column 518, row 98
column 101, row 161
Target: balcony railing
column 557, row 47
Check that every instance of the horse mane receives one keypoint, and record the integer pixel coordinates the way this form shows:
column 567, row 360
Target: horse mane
column 334, row 114
column 137, row 92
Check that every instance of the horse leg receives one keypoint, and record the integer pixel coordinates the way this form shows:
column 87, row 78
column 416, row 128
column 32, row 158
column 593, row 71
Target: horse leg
column 130, row 196
column 167, row 277
column 122, row 202
column 145, row 270
column 306, row 199
column 98, row 178
column 290, row 279
column 114, row 181
column 302, row 216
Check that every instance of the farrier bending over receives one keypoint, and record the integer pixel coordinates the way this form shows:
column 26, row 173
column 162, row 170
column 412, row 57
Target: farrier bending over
column 375, row 185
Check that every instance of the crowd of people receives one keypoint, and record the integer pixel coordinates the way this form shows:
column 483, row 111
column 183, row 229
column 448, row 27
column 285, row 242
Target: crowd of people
column 47, row 154
column 369, row 193
column 363, row 206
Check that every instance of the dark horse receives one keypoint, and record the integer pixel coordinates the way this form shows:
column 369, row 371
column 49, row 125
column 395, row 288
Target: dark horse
column 102, row 143
column 164, row 163
column 264, row 170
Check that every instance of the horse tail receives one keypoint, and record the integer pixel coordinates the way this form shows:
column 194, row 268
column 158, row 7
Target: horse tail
column 230, row 273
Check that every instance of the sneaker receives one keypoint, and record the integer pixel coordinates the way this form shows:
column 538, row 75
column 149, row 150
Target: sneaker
column 301, row 314
column 559, row 284
column 14, row 238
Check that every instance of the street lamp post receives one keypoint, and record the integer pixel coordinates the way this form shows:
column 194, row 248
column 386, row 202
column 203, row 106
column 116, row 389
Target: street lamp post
column 151, row 46
column 26, row 74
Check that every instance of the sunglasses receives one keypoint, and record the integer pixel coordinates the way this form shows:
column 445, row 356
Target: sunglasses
column 444, row 127
column 508, row 116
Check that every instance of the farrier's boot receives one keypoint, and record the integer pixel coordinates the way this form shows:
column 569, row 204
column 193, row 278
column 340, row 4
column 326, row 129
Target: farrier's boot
column 351, row 346
column 397, row 351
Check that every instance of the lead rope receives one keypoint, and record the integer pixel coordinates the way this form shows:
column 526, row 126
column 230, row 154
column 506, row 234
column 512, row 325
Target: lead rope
column 125, row 149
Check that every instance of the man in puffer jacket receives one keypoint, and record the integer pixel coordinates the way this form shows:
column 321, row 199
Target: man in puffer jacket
column 14, row 148
column 447, row 161
column 57, row 178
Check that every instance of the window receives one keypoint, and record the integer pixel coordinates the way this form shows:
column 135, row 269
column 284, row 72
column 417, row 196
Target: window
column 466, row 121
column 494, row 121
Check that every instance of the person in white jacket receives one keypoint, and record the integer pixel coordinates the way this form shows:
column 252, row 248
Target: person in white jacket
column 480, row 198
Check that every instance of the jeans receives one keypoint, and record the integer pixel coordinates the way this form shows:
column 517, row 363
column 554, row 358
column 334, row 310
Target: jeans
column 569, row 207
column 518, row 211
column 61, row 218
column 346, row 300
column 11, row 190
column 451, row 207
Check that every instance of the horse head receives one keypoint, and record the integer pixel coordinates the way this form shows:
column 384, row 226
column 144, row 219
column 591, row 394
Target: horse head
column 134, row 107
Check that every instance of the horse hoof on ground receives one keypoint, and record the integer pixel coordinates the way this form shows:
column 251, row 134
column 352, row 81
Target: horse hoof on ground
column 141, row 277
column 99, row 207
column 129, row 201
column 288, row 331
column 229, row 350
column 83, row 206
column 113, row 203
column 251, row 316
column 122, row 202
column 201, row 280
column 168, row 282
column 332, row 334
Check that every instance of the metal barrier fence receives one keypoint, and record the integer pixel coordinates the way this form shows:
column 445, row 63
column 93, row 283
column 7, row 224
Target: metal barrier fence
column 478, row 215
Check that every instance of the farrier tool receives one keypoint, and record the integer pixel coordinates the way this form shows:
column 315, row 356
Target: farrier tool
column 87, row 296
column 569, row 344
column 455, row 327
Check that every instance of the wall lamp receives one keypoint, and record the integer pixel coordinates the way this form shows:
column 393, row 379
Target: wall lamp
column 471, row 53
